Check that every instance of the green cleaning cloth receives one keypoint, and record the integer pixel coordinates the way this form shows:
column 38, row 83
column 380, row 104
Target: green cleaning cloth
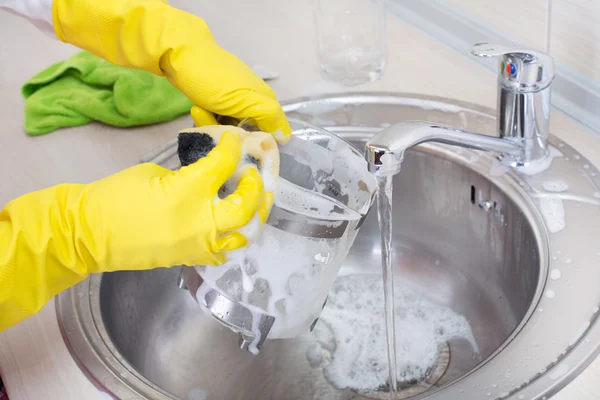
column 86, row 88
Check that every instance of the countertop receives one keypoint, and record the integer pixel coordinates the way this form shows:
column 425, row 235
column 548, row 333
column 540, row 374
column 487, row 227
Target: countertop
column 34, row 362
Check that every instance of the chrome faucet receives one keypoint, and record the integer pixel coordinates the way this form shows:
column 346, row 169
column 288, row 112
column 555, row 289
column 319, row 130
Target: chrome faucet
column 523, row 115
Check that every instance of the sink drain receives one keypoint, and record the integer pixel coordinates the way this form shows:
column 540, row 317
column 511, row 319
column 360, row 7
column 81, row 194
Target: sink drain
column 409, row 389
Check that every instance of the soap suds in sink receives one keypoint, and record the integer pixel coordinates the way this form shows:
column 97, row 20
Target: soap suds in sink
column 352, row 337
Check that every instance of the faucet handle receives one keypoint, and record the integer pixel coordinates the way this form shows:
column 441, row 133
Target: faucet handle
column 521, row 69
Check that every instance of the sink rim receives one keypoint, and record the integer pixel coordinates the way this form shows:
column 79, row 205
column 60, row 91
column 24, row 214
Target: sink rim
column 93, row 361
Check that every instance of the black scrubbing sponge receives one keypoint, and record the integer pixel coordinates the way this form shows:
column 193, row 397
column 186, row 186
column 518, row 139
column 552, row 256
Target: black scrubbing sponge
column 193, row 146
column 250, row 159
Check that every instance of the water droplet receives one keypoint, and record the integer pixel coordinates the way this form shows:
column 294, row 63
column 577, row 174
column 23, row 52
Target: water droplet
column 489, row 394
column 555, row 274
column 577, row 157
column 558, row 252
column 597, row 194
column 567, row 159
column 593, row 174
column 554, row 258
column 550, row 294
column 80, row 294
column 585, row 166
column 521, row 396
column 437, row 262
column 540, row 310
column 561, row 145
column 494, row 385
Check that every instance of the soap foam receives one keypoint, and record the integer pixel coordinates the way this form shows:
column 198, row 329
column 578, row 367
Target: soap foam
column 351, row 333
column 555, row 186
column 553, row 212
column 269, row 172
column 284, row 274
column 289, row 278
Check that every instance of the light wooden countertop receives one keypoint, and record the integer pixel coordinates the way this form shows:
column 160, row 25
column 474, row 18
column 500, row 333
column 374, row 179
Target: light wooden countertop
column 34, row 362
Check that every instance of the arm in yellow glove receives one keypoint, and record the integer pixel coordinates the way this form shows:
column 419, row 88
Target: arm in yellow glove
column 153, row 36
column 140, row 218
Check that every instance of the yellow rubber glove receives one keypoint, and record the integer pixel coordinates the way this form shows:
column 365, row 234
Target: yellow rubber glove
column 153, row 36
column 140, row 218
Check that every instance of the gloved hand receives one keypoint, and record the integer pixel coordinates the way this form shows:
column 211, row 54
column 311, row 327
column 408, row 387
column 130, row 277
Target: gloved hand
column 153, row 36
column 140, row 218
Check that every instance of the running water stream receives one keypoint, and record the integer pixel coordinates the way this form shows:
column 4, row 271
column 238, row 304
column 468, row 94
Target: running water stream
column 384, row 213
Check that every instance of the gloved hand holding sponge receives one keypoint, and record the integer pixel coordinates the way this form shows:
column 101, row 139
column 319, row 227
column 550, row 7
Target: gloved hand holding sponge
column 145, row 216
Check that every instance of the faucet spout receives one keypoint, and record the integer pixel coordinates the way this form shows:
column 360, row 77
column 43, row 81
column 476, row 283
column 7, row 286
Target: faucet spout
column 523, row 116
column 385, row 151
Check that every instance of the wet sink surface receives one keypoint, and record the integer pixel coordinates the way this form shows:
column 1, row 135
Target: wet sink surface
column 465, row 241
column 450, row 251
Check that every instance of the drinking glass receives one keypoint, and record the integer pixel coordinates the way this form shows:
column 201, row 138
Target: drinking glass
column 351, row 39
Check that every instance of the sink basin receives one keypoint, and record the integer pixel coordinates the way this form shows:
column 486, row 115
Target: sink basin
column 470, row 237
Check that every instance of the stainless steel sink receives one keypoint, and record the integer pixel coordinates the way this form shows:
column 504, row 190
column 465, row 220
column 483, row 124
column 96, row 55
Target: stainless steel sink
column 468, row 235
